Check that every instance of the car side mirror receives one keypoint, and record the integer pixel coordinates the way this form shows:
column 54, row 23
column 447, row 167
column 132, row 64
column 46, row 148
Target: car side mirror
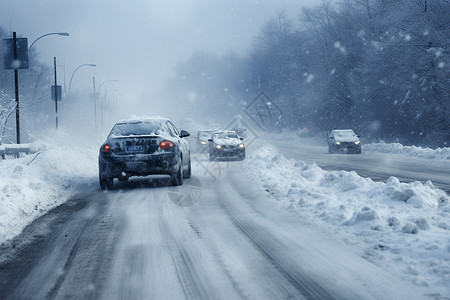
column 184, row 133
column 241, row 138
column 331, row 137
column 210, row 140
column 358, row 136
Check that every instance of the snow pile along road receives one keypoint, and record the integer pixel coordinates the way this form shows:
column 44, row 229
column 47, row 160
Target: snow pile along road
column 34, row 184
column 439, row 153
column 403, row 228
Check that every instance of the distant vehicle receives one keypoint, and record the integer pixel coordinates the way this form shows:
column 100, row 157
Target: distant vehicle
column 226, row 145
column 242, row 132
column 2, row 149
column 142, row 147
column 344, row 141
column 305, row 132
column 202, row 144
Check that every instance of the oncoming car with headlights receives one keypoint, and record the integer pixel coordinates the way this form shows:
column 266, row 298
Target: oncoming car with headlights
column 226, row 145
column 202, row 144
column 344, row 141
column 142, row 147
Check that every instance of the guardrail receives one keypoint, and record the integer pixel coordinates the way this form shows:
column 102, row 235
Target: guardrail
column 14, row 149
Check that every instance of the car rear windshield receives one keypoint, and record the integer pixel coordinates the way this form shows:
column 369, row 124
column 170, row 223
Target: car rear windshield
column 226, row 135
column 205, row 134
column 140, row 128
column 345, row 133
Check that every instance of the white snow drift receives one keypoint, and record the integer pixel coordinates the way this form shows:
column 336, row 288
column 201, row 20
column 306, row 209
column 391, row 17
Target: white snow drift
column 400, row 226
column 34, row 184
column 396, row 148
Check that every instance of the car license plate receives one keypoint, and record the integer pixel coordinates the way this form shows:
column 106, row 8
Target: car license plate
column 135, row 148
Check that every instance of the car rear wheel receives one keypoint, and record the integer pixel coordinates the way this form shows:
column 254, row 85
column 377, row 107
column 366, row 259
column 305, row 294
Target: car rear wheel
column 242, row 156
column 189, row 171
column 212, row 156
column 177, row 178
column 106, row 183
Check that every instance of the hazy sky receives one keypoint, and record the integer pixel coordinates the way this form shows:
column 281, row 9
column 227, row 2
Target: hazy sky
column 136, row 42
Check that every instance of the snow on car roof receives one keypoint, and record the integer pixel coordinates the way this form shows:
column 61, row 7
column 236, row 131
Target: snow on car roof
column 140, row 126
column 209, row 130
column 344, row 131
column 224, row 131
column 134, row 119
column 227, row 134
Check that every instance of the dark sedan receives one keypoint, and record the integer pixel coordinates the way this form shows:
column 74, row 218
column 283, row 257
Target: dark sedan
column 226, row 145
column 202, row 144
column 344, row 141
column 142, row 147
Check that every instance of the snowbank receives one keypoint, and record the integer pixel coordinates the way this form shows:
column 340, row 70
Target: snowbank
column 34, row 184
column 393, row 148
column 400, row 226
column 439, row 153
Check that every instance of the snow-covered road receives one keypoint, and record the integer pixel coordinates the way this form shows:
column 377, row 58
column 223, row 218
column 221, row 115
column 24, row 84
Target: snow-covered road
column 135, row 242
column 265, row 228
column 372, row 163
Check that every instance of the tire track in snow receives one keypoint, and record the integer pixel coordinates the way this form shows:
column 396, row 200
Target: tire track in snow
column 305, row 286
column 186, row 272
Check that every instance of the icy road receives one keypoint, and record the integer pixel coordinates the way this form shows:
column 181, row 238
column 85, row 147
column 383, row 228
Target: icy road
column 136, row 244
column 371, row 164
column 219, row 236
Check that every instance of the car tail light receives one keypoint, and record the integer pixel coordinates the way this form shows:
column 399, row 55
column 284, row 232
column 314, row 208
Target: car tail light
column 106, row 148
column 166, row 145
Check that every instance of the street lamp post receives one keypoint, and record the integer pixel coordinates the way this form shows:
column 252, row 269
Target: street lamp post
column 108, row 106
column 83, row 65
column 95, row 107
column 115, row 113
column 52, row 33
column 47, row 34
column 102, row 104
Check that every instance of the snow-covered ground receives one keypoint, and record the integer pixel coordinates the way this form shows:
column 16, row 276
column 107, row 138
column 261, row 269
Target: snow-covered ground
column 34, row 184
column 400, row 226
column 439, row 153
column 391, row 148
column 405, row 227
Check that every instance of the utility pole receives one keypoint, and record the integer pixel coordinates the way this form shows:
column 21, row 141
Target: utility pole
column 16, row 85
column 15, row 58
column 95, row 106
column 56, row 93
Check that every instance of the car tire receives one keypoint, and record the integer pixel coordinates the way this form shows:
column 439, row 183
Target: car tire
column 106, row 183
column 189, row 171
column 212, row 156
column 123, row 179
column 177, row 178
column 242, row 156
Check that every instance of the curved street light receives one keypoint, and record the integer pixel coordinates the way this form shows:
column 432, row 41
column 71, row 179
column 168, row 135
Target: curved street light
column 100, row 86
column 83, row 65
column 101, row 106
column 52, row 33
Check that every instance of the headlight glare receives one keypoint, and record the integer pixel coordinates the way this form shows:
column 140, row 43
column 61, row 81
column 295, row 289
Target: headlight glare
column 338, row 143
column 219, row 146
column 357, row 142
column 241, row 145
